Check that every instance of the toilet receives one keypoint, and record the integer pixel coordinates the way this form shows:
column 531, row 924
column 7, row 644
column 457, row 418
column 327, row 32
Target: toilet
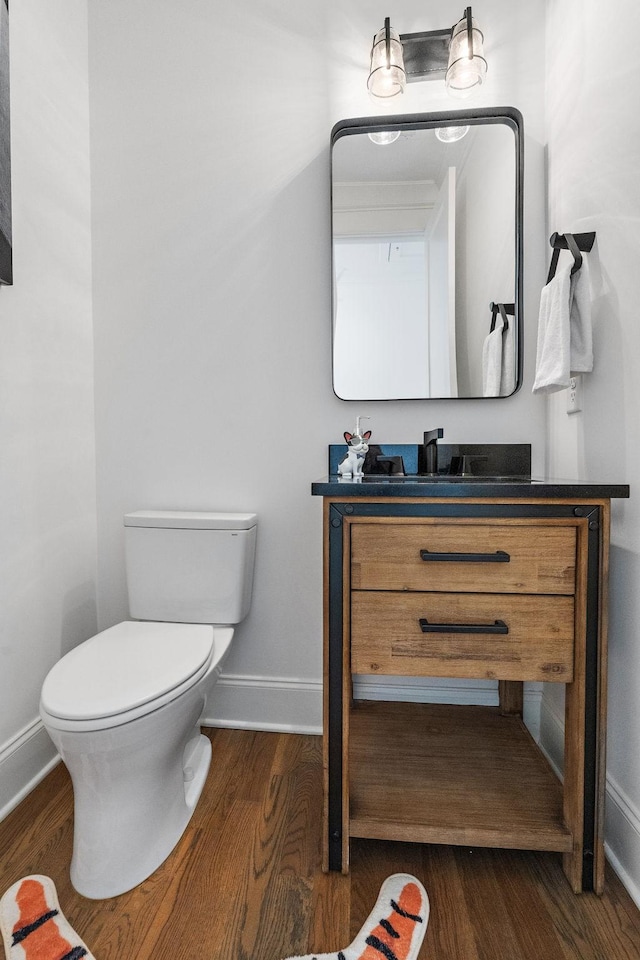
column 123, row 707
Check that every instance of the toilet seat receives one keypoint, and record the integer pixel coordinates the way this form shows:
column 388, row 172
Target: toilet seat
column 126, row 671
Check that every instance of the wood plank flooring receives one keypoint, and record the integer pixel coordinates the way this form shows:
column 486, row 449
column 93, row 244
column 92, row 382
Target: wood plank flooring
column 245, row 882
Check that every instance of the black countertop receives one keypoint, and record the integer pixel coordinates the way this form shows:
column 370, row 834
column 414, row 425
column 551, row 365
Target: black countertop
column 506, row 488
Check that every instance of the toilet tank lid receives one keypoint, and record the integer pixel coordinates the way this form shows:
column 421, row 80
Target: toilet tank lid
column 190, row 520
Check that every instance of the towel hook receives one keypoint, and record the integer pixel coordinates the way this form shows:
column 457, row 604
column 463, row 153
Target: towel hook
column 584, row 241
column 504, row 308
column 575, row 242
column 575, row 252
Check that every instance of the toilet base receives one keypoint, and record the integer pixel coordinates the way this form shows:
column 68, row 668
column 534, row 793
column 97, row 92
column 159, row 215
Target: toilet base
column 122, row 839
column 197, row 758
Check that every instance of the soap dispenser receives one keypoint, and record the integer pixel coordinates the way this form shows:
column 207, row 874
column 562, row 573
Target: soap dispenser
column 357, row 447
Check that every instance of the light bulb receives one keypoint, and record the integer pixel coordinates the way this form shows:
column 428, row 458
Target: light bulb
column 384, row 136
column 451, row 134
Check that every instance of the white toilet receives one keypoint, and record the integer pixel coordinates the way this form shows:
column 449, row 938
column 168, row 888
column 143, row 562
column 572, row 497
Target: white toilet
column 123, row 707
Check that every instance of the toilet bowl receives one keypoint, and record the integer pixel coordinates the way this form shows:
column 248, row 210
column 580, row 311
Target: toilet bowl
column 137, row 759
column 123, row 707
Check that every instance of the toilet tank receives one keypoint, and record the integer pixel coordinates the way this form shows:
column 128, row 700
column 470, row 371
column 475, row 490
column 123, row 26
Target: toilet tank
column 188, row 567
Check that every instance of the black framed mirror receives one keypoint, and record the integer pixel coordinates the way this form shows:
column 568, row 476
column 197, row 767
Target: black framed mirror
column 427, row 255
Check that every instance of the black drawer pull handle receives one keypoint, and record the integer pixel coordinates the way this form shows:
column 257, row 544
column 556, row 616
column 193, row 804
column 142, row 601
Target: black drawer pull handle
column 498, row 626
column 498, row 557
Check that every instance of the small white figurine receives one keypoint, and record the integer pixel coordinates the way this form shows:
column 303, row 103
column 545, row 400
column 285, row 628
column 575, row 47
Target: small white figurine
column 353, row 463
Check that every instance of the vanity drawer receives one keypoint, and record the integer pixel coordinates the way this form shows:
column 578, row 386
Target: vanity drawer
column 482, row 558
column 535, row 642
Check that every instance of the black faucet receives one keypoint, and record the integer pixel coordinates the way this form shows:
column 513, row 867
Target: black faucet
column 429, row 451
column 467, row 465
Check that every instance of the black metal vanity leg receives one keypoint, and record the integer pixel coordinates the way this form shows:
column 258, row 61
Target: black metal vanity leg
column 335, row 694
column 592, row 705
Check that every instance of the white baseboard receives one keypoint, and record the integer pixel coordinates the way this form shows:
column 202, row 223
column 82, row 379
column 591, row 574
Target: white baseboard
column 278, row 704
column 552, row 736
column 295, row 705
column 622, row 838
column 424, row 690
column 24, row 761
column 440, row 690
column 622, row 817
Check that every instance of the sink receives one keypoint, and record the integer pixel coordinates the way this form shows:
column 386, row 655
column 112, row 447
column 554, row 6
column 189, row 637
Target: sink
column 492, row 463
column 496, row 462
column 456, row 478
column 441, row 478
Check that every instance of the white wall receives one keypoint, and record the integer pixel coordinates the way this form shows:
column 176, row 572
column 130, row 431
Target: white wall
column 593, row 74
column 211, row 266
column 210, row 176
column 47, row 465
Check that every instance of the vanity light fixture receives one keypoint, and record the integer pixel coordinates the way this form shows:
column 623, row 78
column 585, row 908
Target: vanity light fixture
column 455, row 55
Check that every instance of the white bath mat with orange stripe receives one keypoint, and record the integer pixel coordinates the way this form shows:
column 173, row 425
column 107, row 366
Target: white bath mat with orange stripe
column 395, row 928
column 34, row 927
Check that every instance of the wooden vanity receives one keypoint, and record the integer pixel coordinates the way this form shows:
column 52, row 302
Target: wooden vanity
column 491, row 580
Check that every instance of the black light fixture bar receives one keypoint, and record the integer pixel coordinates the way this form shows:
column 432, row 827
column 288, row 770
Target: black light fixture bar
column 426, row 55
column 467, row 14
column 387, row 40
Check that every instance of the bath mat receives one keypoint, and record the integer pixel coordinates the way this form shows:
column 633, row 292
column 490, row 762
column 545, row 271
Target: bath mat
column 34, row 927
column 395, row 928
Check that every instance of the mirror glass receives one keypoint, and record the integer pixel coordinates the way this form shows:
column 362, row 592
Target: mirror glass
column 427, row 250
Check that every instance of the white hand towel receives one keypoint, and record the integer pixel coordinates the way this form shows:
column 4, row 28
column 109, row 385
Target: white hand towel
column 580, row 322
column 565, row 336
column 553, row 365
column 508, row 375
column 492, row 361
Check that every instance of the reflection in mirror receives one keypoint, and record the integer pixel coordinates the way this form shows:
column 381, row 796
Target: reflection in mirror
column 426, row 246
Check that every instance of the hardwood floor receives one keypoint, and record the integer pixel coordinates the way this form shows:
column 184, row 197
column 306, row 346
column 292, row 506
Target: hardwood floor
column 245, row 881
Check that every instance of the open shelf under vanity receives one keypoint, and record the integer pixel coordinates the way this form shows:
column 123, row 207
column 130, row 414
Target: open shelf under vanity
column 445, row 773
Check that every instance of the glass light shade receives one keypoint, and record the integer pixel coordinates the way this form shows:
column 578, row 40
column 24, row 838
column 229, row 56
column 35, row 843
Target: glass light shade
column 384, row 136
column 451, row 134
column 387, row 77
column 467, row 65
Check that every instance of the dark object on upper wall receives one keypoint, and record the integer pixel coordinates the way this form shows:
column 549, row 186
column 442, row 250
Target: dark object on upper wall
column 6, row 263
